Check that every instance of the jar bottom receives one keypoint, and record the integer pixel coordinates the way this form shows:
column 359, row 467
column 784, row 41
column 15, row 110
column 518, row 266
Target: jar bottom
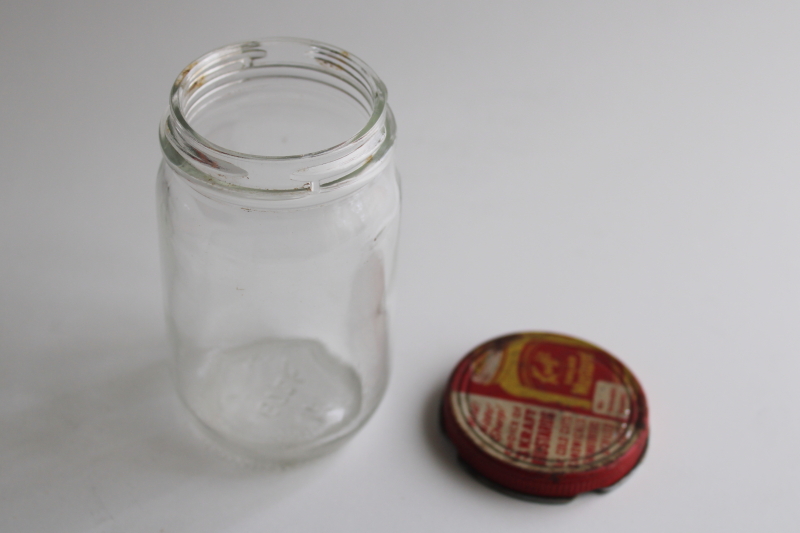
column 275, row 399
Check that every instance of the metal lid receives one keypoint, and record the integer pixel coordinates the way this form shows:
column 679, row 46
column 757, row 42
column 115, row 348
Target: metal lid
column 545, row 415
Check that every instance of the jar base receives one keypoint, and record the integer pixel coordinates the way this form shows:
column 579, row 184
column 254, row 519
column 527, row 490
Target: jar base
column 253, row 458
column 275, row 399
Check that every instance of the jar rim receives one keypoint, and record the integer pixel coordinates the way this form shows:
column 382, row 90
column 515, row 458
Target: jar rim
column 190, row 74
column 212, row 164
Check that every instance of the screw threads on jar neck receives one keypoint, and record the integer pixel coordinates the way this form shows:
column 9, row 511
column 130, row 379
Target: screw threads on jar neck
column 270, row 96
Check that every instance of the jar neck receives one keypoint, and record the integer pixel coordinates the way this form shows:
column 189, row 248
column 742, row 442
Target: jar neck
column 312, row 176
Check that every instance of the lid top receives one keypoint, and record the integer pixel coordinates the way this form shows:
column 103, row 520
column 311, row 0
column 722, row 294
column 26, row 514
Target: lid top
column 546, row 409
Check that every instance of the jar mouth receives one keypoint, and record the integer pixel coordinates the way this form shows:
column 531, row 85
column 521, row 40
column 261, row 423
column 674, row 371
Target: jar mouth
column 227, row 159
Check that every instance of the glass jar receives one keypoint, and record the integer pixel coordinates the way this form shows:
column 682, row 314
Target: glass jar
column 278, row 208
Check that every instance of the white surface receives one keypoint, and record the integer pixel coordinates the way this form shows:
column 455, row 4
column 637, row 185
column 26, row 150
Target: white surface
column 624, row 172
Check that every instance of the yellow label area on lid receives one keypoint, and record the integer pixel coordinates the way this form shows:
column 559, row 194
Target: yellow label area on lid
column 529, row 378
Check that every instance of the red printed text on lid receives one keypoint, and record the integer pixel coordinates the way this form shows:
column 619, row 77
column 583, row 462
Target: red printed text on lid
column 537, row 401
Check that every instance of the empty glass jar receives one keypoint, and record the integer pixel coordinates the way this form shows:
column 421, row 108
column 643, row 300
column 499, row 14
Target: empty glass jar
column 278, row 207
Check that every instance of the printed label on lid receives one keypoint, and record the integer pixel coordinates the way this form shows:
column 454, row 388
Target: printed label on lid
column 528, row 431
column 544, row 401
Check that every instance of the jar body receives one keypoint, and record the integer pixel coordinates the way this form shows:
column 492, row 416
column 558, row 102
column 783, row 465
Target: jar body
column 276, row 308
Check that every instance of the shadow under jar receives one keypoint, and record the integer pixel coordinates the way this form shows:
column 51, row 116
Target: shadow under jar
column 278, row 208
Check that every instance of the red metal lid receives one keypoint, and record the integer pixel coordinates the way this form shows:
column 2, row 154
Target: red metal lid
column 545, row 415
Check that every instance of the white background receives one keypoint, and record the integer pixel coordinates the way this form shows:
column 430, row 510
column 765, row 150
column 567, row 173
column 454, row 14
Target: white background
column 626, row 172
